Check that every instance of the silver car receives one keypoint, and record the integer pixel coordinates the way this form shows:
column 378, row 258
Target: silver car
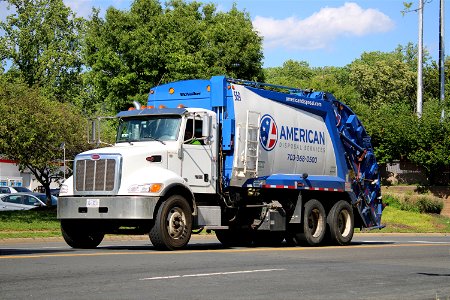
column 19, row 201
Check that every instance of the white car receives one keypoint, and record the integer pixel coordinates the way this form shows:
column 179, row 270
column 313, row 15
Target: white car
column 13, row 189
column 19, row 201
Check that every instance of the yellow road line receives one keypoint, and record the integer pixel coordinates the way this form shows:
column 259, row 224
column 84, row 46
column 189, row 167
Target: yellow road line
column 246, row 250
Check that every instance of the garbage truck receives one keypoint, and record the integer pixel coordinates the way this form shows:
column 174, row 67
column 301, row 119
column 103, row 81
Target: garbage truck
column 255, row 163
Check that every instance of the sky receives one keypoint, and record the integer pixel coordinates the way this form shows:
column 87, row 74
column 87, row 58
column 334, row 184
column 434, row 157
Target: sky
column 322, row 32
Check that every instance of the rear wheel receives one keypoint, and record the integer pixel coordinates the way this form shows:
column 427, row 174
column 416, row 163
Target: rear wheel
column 81, row 235
column 314, row 223
column 341, row 222
column 173, row 224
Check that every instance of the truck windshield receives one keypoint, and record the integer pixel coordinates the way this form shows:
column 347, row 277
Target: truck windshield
column 149, row 128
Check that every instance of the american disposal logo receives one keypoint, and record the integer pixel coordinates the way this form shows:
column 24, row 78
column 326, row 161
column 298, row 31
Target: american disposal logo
column 268, row 133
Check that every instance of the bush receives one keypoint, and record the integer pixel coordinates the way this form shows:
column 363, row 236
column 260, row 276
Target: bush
column 422, row 204
column 430, row 205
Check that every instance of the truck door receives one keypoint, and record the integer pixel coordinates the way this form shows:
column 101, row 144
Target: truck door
column 197, row 166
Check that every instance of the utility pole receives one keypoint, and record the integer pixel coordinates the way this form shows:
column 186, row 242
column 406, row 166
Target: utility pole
column 420, row 61
column 441, row 58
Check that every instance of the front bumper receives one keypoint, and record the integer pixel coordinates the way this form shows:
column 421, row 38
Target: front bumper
column 114, row 207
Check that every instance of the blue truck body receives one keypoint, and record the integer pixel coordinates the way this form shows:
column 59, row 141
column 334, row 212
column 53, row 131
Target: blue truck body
column 358, row 173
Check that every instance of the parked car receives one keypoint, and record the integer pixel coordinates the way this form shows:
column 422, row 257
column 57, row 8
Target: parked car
column 54, row 192
column 13, row 189
column 19, row 201
column 43, row 198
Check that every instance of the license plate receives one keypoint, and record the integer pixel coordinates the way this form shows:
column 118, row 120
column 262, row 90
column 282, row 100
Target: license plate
column 92, row 202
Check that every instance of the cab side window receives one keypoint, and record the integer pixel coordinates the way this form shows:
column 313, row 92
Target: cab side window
column 193, row 132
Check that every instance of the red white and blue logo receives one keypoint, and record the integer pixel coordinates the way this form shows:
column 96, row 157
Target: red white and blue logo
column 268, row 133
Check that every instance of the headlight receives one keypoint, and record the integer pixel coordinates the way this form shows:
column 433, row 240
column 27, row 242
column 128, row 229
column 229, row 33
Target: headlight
column 145, row 188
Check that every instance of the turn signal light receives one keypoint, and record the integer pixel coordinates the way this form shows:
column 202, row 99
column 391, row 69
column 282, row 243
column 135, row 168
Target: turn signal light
column 156, row 187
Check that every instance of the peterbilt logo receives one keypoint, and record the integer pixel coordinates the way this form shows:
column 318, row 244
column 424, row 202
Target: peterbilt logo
column 189, row 94
column 95, row 156
column 268, row 133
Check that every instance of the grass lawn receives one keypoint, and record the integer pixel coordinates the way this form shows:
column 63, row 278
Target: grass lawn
column 29, row 224
column 397, row 220
column 43, row 223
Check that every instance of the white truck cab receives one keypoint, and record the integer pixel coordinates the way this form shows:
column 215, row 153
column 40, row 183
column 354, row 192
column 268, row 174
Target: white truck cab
column 157, row 152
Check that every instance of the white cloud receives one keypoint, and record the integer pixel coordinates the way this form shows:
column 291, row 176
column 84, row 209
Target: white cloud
column 83, row 8
column 321, row 28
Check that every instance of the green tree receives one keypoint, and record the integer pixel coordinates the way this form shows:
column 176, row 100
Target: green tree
column 335, row 80
column 431, row 142
column 128, row 52
column 299, row 74
column 41, row 41
column 383, row 78
column 391, row 130
column 33, row 127
column 292, row 73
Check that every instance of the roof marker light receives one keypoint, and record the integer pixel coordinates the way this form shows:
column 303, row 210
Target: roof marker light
column 171, row 91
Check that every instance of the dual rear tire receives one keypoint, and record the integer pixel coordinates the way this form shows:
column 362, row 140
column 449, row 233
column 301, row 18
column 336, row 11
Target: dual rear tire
column 339, row 221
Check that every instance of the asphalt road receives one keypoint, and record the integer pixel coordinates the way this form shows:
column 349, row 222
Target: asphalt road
column 372, row 267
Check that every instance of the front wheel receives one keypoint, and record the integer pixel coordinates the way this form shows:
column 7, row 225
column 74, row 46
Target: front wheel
column 341, row 222
column 173, row 224
column 79, row 235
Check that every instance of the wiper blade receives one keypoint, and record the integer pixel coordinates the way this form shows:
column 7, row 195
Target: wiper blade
column 155, row 139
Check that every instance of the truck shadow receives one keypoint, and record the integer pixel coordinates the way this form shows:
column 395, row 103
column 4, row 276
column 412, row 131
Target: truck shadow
column 31, row 251
column 198, row 246
column 218, row 246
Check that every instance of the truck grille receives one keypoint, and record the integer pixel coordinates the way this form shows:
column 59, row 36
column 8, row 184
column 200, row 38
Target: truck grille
column 99, row 176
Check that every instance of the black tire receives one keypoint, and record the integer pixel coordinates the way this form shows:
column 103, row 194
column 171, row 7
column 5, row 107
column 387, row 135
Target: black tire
column 314, row 224
column 78, row 235
column 173, row 224
column 341, row 223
